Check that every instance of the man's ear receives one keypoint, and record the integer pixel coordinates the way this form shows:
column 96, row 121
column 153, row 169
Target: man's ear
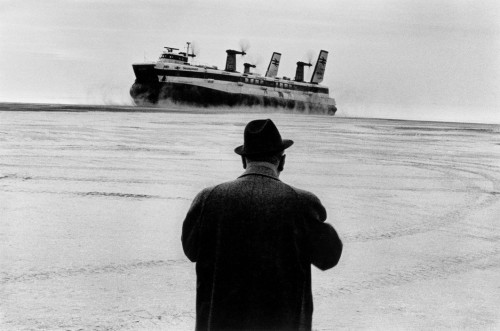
column 244, row 161
column 281, row 165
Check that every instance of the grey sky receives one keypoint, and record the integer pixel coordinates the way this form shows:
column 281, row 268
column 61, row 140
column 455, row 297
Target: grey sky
column 440, row 59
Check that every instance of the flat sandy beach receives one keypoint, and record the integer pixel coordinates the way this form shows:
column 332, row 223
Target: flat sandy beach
column 92, row 204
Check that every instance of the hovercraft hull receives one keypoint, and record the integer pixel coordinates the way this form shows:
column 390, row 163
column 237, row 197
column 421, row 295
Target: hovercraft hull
column 209, row 86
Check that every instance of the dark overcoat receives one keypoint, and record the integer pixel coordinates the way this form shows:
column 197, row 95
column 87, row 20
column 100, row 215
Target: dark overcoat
column 254, row 240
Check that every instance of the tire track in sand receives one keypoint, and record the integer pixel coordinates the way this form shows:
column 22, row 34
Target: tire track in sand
column 438, row 268
column 6, row 278
column 479, row 198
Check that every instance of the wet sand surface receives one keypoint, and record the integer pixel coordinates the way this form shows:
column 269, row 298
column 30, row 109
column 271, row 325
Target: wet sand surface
column 92, row 203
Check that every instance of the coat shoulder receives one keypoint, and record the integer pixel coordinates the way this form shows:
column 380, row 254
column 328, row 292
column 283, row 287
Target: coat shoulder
column 215, row 191
column 311, row 204
column 203, row 194
column 305, row 196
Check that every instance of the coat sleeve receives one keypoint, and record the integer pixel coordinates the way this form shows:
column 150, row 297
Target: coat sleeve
column 191, row 228
column 324, row 242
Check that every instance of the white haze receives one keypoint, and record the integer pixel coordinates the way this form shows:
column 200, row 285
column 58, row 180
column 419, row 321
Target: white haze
column 436, row 60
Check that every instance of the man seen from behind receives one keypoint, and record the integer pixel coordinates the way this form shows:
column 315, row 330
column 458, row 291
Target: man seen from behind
column 254, row 239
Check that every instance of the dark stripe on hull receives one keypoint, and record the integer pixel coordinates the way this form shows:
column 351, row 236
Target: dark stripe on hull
column 259, row 81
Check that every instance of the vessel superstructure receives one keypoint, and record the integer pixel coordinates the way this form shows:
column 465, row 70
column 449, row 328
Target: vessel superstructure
column 174, row 77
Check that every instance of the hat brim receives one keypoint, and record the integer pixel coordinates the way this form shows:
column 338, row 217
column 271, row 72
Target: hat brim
column 240, row 150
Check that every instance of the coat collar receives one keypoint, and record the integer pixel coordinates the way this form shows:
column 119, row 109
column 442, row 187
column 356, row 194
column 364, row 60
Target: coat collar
column 260, row 169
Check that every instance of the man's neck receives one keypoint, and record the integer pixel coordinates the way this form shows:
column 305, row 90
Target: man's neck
column 256, row 164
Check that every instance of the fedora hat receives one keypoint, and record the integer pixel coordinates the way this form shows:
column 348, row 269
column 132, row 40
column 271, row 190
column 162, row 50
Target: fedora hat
column 261, row 137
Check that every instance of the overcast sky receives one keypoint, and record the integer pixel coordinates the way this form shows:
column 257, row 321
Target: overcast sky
column 439, row 59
